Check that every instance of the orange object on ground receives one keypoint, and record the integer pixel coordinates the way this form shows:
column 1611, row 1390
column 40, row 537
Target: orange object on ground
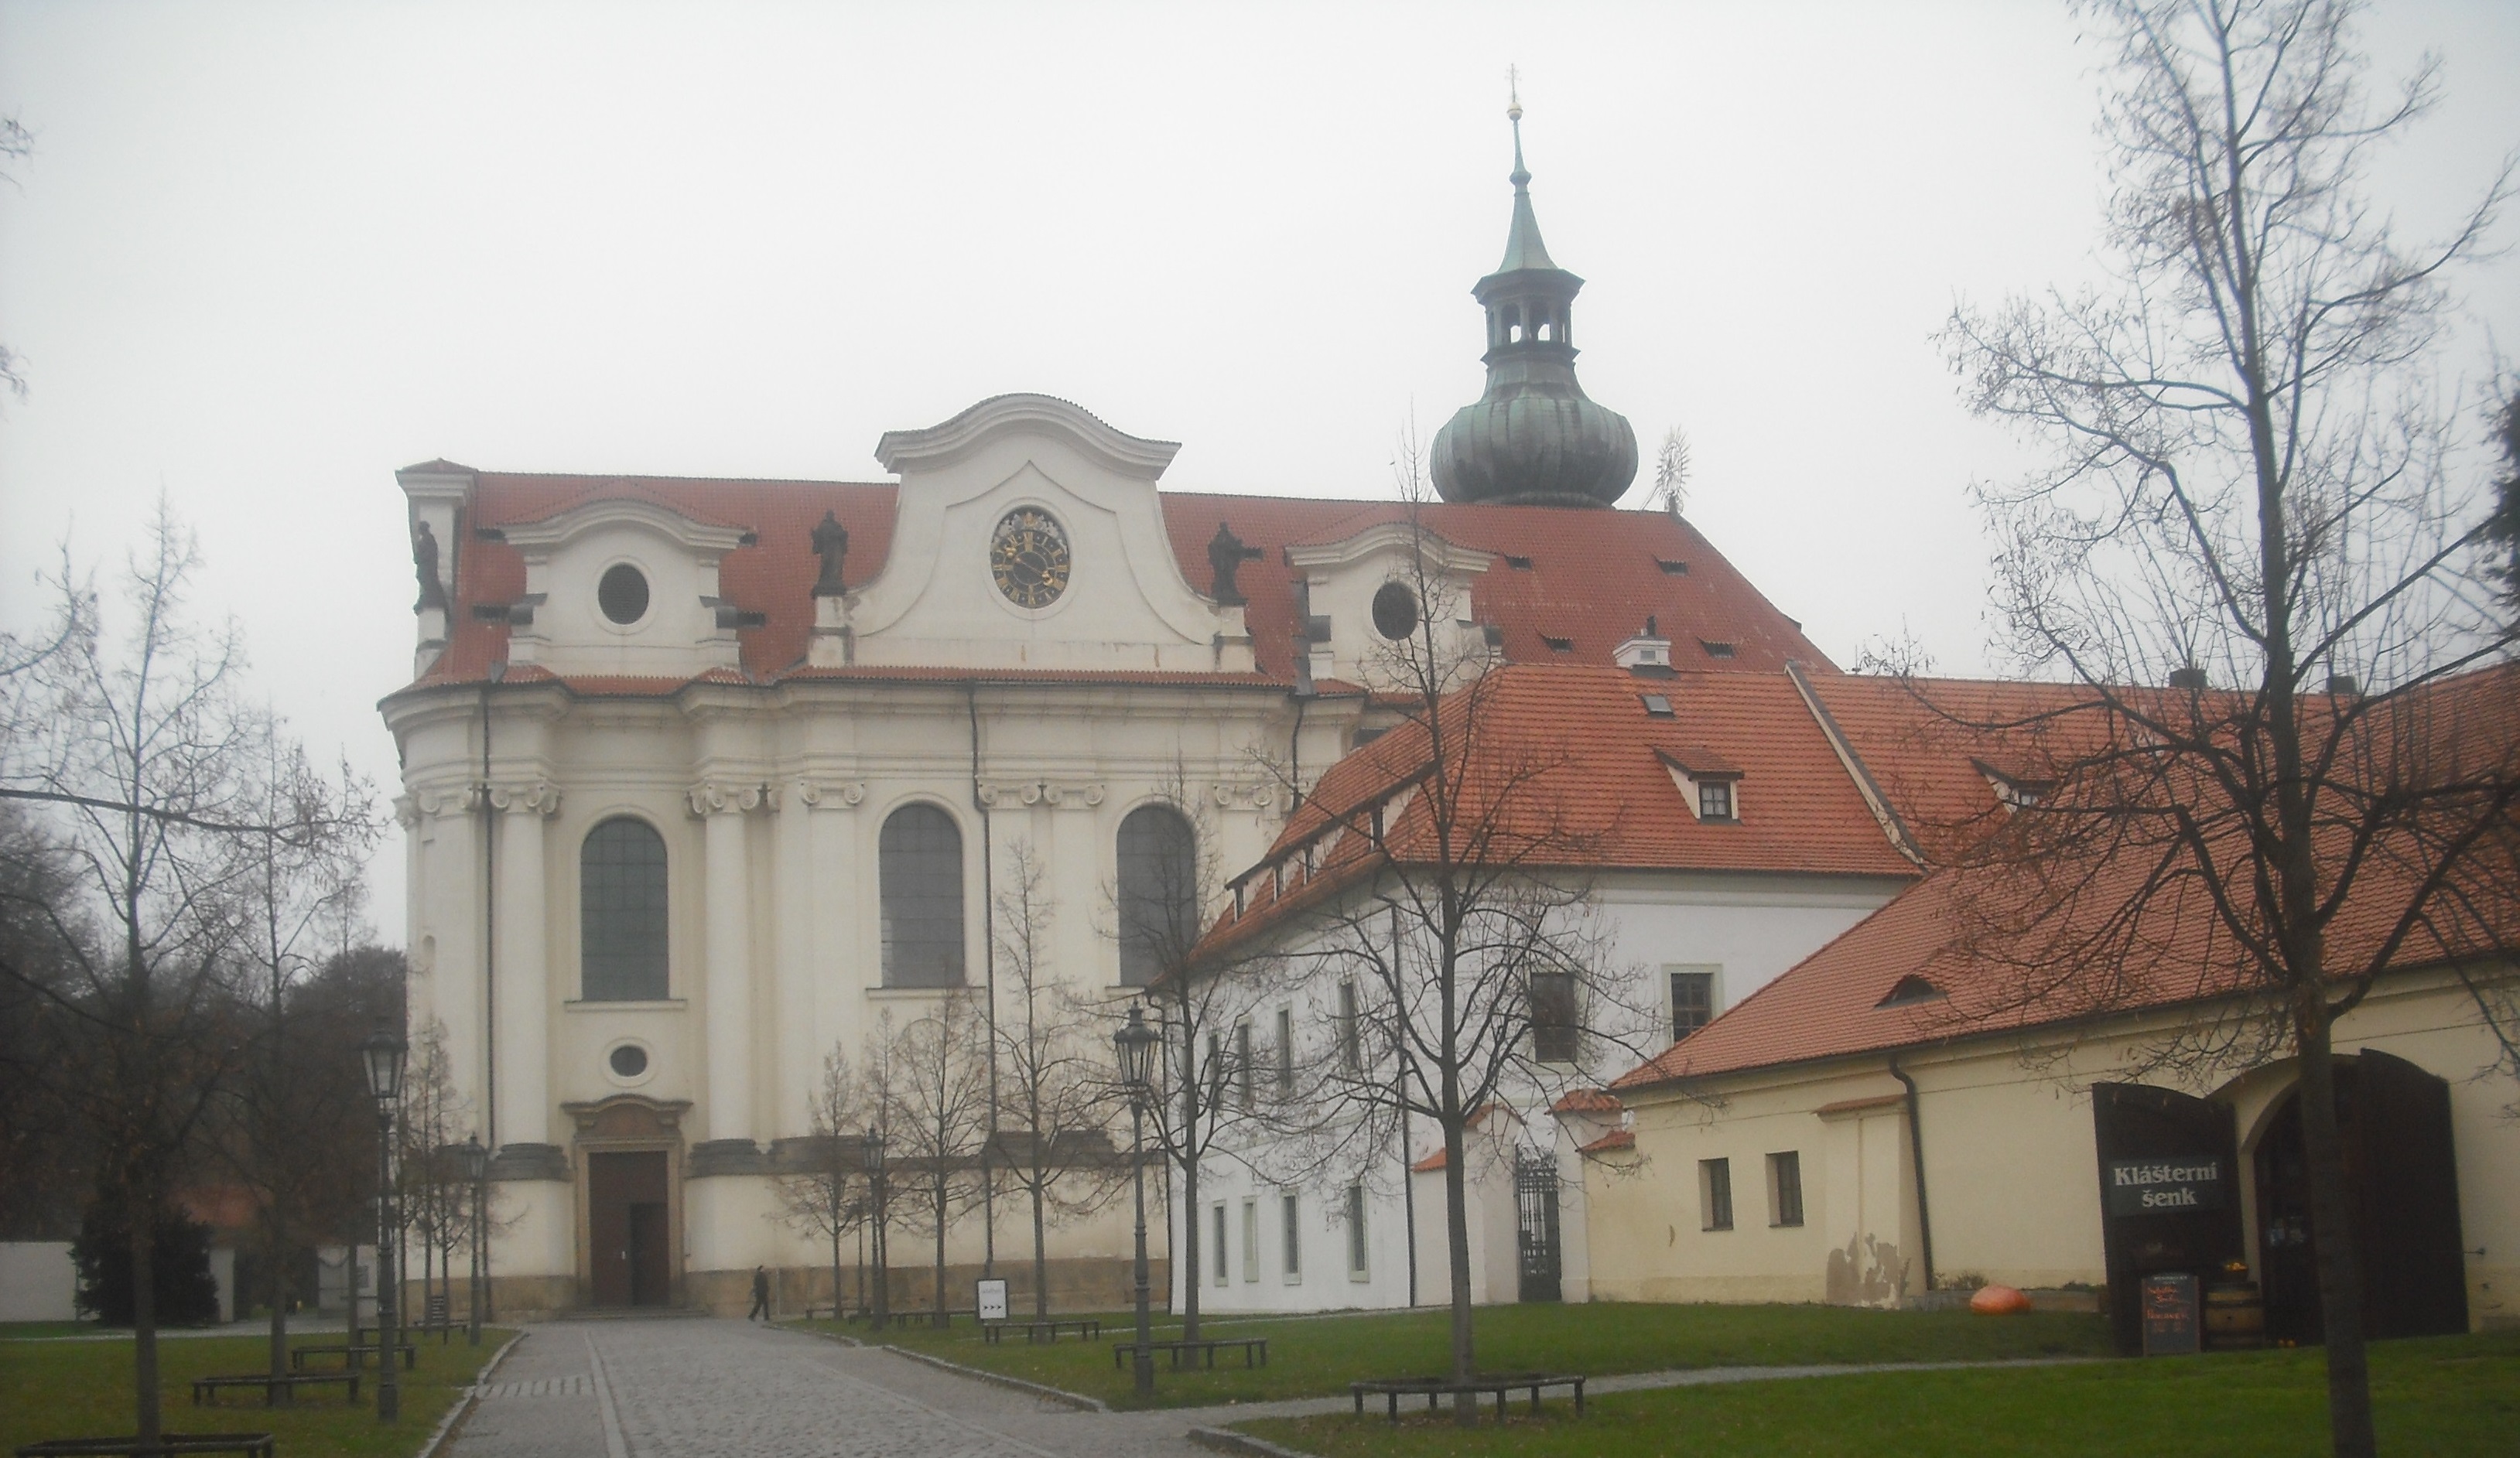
column 1998, row 1300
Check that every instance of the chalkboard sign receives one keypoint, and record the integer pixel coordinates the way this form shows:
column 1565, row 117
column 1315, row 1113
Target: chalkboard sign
column 2170, row 1325
column 990, row 1301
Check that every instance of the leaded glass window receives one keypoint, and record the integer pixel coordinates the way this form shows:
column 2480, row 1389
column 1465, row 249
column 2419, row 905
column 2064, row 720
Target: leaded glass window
column 921, row 876
column 622, row 913
column 1158, row 892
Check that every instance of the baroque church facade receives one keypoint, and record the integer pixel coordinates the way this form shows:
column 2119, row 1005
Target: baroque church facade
column 705, row 780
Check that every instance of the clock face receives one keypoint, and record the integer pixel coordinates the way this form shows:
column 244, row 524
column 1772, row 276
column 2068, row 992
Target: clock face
column 1028, row 556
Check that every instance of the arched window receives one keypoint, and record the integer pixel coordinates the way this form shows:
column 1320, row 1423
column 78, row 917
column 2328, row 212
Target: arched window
column 1158, row 891
column 622, row 913
column 921, row 876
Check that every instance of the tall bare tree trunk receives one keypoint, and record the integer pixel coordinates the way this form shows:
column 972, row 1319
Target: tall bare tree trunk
column 276, row 1248
column 144, row 1316
column 1456, row 1240
column 2331, row 1225
column 1040, row 1253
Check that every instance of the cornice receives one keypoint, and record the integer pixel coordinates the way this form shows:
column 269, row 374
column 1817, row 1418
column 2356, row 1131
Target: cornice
column 536, row 538
column 907, row 452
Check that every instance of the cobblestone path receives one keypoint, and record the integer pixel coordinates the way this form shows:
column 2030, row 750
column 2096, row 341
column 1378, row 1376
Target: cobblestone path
column 699, row 1389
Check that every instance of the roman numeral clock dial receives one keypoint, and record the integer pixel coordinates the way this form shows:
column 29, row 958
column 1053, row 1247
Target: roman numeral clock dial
column 1028, row 557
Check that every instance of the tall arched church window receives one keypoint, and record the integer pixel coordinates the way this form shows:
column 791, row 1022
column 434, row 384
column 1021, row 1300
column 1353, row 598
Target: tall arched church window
column 622, row 913
column 922, row 875
column 1158, row 891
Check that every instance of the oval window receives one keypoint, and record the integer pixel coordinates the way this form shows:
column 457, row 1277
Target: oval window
column 1395, row 610
column 623, row 593
column 629, row 1061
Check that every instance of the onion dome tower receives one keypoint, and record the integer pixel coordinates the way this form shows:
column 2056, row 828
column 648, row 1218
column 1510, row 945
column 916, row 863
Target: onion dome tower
column 1532, row 438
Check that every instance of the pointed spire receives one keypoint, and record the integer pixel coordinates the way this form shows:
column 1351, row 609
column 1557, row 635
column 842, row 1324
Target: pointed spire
column 1522, row 246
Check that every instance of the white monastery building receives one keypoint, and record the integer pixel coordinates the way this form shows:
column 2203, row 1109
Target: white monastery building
column 706, row 780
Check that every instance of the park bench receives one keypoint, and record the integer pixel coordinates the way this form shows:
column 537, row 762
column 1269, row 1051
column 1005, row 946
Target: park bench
column 1392, row 1389
column 1252, row 1348
column 167, row 1445
column 919, row 1318
column 354, row 1356
column 207, row 1389
column 1087, row 1328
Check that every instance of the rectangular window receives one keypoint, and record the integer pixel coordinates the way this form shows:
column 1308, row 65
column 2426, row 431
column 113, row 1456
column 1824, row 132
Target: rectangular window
column 1286, row 1050
column 1215, row 1072
column 1714, row 799
column 1289, row 1209
column 1350, row 1035
column 1242, row 1063
column 1356, row 1231
column 1785, row 1188
column 1250, row 1240
column 1218, row 1244
column 1693, row 1001
column 1715, row 1193
column 1552, row 1017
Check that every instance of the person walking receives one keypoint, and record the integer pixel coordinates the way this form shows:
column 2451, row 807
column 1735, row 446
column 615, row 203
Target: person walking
column 760, row 1294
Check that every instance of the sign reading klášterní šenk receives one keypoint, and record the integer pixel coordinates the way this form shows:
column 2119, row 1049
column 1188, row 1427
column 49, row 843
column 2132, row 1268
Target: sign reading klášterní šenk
column 2166, row 1187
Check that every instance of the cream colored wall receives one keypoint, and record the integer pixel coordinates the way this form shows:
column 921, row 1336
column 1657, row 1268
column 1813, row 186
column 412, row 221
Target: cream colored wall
column 2010, row 1163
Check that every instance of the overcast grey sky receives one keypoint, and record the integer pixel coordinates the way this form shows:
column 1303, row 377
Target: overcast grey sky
column 264, row 255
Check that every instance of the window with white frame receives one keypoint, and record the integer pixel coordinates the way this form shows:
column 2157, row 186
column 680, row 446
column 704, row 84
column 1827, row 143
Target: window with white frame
column 1715, row 1194
column 1351, row 1035
column 1218, row 1244
column 1289, row 1212
column 1553, row 1029
column 1692, row 997
column 1785, row 1188
column 1356, row 1258
column 1250, row 1239
column 1243, row 1084
column 1285, row 1052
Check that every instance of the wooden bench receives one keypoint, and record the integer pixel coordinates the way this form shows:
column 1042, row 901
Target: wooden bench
column 167, row 1445
column 354, row 1356
column 1087, row 1328
column 1252, row 1348
column 919, row 1318
column 1391, row 1390
column 207, row 1389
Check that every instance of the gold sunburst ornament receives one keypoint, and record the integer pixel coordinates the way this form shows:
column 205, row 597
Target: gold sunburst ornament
column 1029, row 559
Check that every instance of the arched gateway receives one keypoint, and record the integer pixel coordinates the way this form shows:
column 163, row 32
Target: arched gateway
column 2170, row 1200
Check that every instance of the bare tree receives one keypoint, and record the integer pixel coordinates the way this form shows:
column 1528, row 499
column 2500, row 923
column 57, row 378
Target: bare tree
column 139, row 747
column 825, row 1192
column 2502, row 527
column 1158, row 924
column 1054, row 1137
column 2252, row 486
column 937, row 1118
column 16, row 143
column 1452, row 873
column 298, row 1103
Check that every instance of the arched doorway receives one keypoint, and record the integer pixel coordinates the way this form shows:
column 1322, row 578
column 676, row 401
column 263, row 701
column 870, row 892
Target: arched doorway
column 2402, row 1197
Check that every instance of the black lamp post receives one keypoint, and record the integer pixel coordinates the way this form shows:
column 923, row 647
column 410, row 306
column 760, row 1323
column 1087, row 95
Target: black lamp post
column 477, row 1174
column 383, row 1051
column 1136, row 1043
column 873, row 1155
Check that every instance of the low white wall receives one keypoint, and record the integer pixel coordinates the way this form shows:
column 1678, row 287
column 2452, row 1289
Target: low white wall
column 37, row 1282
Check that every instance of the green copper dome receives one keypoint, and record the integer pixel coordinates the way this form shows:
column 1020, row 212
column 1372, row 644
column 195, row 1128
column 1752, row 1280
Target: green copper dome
column 1532, row 437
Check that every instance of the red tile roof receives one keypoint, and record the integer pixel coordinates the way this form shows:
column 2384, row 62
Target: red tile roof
column 1581, row 767
column 1587, row 1101
column 1615, row 1139
column 1595, row 576
column 2012, row 943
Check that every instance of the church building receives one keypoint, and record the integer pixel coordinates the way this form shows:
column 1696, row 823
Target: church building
column 706, row 780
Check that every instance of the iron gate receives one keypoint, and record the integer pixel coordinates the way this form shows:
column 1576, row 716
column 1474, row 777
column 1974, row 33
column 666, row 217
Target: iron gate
column 1535, row 1200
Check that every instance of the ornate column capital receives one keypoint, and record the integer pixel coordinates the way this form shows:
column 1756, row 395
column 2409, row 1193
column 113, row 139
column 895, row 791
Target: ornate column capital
column 721, row 797
column 1255, row 795
column 1055, row 793
column 845, row 794
column 528, row 797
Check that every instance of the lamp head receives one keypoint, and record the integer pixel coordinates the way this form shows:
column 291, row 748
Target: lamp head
column 1136, row 1043
column 477, row 1159
column 383, row 1051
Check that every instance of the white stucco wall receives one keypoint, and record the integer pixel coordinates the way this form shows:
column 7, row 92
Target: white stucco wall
column 37, row 1281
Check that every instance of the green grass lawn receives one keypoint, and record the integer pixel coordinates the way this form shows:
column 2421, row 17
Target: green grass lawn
column 21, row 1329
column 83, row 1389
column 2442, row 1397
column 1317, row 1356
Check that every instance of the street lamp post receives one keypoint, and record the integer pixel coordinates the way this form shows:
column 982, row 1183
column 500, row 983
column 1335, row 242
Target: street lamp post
column 383, row 1050
column 477, row 1174
column 1136, row 1043
column 873, row 1155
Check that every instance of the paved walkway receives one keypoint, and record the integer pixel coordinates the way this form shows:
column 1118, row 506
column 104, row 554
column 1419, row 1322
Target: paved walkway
column 697, row 1389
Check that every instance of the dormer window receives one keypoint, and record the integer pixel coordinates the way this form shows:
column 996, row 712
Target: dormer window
column 1716, row 650
column 1517, row 564
column 1715, row 799
column 1672, row 568
column 1710, row 784
column 1657, row 705
column 1910, row 988
column 1558, row 644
